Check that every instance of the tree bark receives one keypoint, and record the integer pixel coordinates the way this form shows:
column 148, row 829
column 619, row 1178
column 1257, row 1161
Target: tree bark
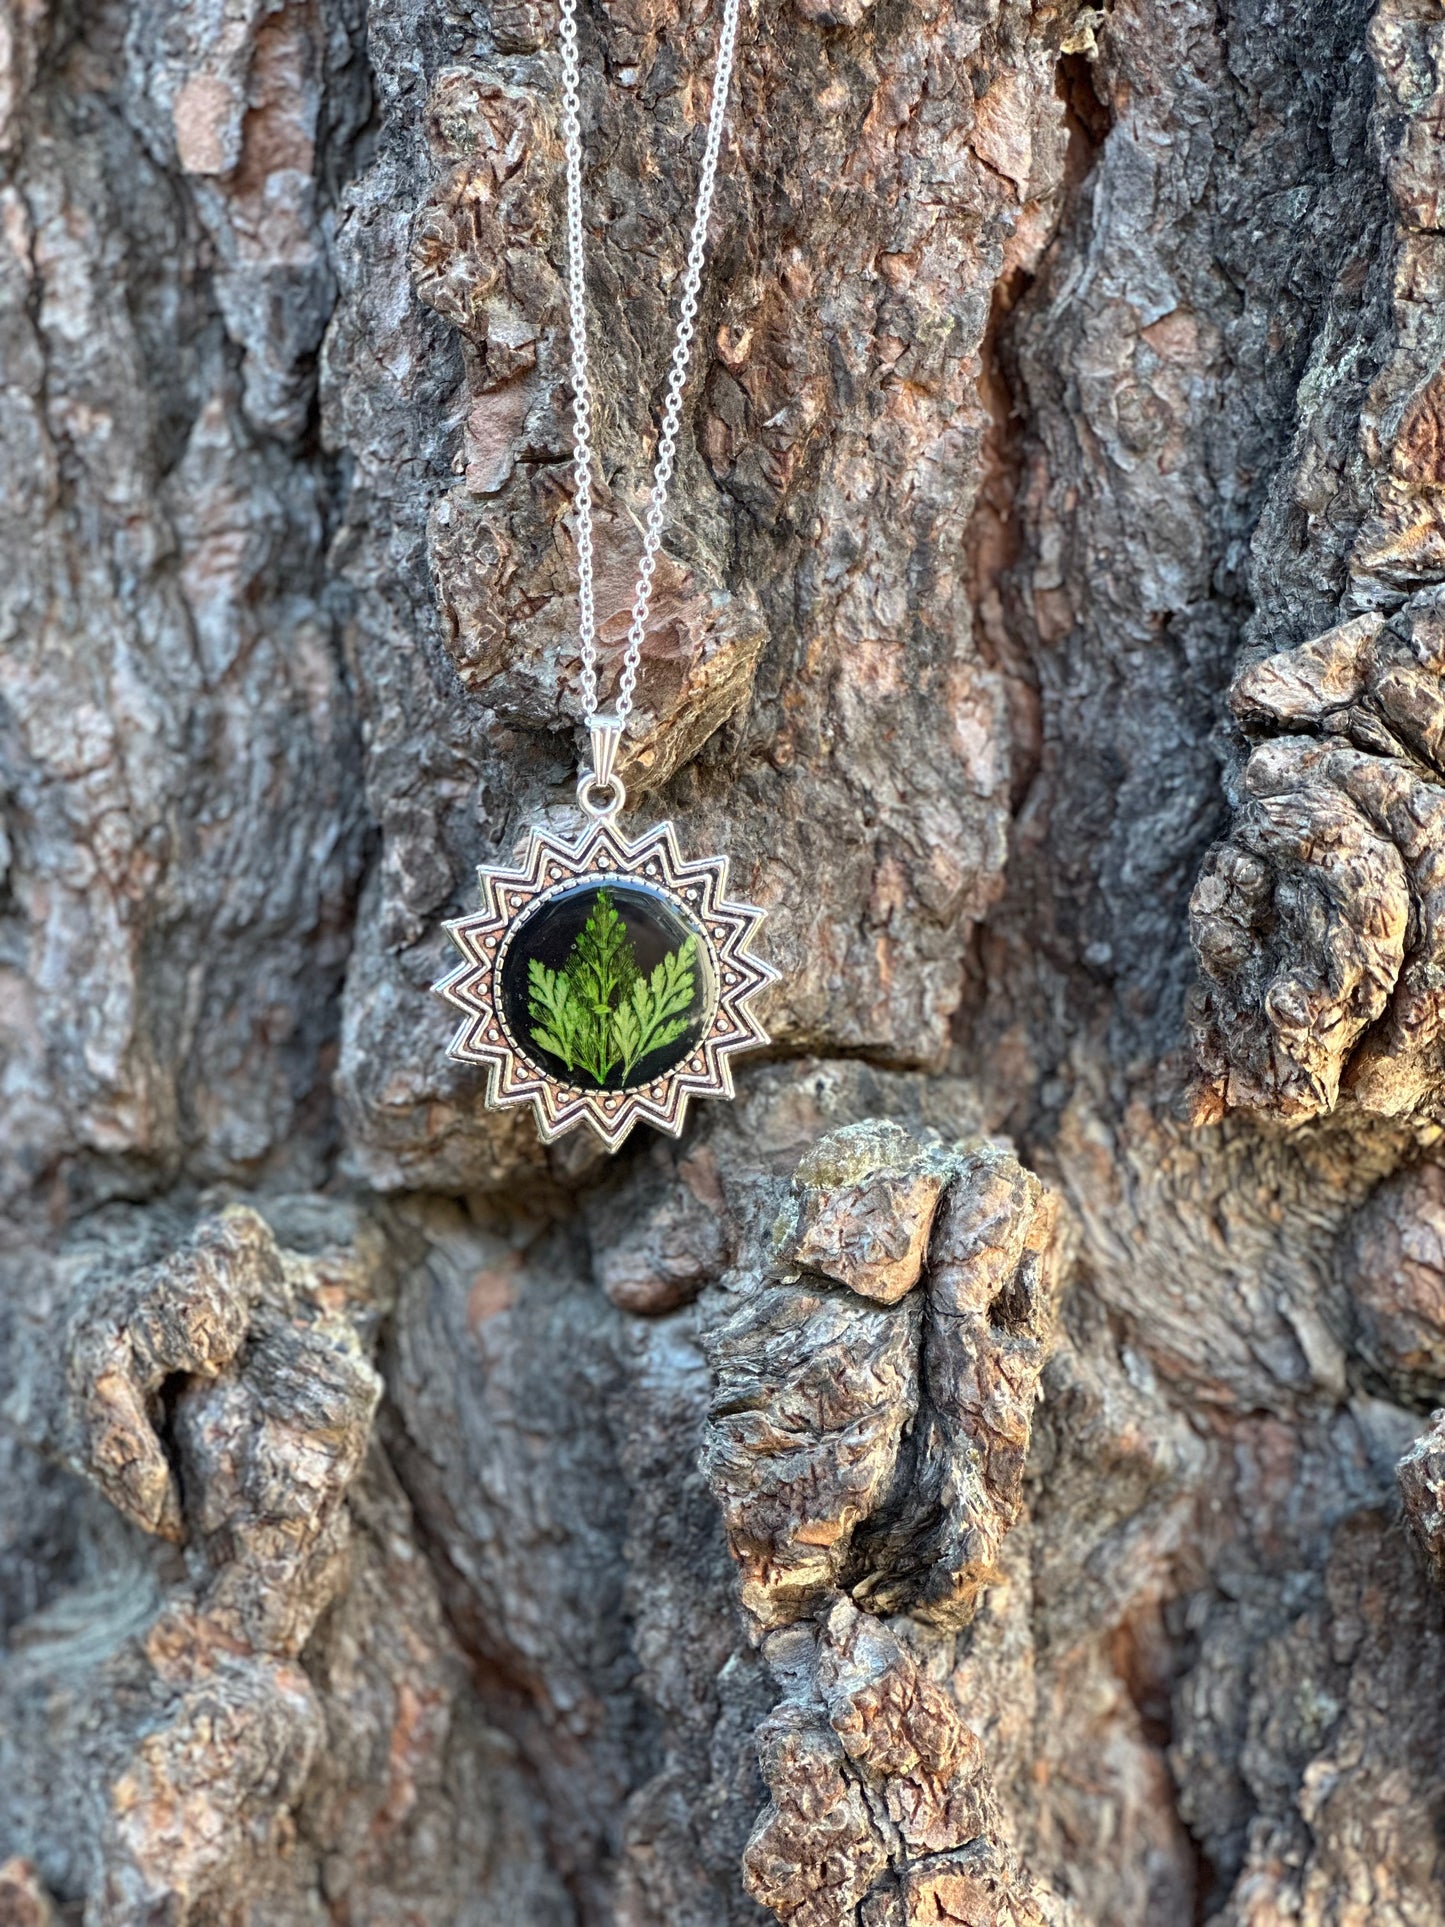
column 987, row 1473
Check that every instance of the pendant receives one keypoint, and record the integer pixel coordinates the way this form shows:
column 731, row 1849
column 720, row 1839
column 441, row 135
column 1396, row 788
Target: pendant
column 606, row 982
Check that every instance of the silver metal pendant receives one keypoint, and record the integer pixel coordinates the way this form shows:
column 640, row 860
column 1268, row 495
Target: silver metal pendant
column 605, row 982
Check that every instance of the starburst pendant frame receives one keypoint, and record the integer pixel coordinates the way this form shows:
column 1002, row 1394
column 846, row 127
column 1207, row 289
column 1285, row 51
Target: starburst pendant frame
column 550, row 865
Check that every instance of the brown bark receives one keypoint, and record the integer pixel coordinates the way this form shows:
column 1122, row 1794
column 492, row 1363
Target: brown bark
column 984, row 1475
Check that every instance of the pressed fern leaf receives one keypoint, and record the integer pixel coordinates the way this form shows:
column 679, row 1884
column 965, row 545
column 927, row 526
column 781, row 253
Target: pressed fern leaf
column 600, row 970
column 554, row 1012
column 655, row 1013
column 599, row 1011
column 602, row 965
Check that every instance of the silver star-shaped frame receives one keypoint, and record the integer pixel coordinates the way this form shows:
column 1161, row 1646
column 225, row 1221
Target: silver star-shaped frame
column 551, row 865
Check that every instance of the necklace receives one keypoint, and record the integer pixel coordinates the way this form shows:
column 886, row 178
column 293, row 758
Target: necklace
column 606, row 981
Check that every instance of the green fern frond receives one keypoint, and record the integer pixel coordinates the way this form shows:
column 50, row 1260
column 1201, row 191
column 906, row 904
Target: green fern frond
column 652, row 1012
column 555, row 1014
column 599, row 1011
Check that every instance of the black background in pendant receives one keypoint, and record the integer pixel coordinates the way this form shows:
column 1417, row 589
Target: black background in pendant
column 652, row 929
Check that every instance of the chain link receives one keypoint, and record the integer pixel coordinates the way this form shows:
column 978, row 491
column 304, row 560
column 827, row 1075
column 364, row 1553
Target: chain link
column 666, row 458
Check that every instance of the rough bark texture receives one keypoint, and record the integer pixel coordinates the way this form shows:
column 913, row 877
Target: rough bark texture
column 987, row 1474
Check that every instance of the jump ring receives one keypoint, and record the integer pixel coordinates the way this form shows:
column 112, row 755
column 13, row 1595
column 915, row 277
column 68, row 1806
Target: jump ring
column 600, row 811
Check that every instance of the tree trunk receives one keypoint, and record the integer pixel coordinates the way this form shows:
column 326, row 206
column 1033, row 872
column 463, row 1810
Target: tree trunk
column 983, row 1475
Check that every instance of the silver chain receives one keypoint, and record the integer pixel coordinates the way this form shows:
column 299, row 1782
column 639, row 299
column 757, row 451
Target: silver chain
column 677, row 378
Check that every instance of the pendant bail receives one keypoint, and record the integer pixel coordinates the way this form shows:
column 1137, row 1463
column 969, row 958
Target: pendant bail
column 606, row 734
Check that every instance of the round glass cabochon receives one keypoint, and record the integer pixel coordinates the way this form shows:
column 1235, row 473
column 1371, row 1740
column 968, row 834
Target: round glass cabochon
column 607, row 986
